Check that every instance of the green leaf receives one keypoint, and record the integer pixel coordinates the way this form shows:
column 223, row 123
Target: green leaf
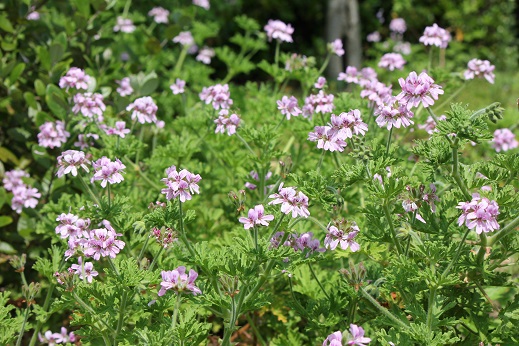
column 6, row 155
column 5, row 220
column 16, row 72
column 83, row 7
column 39, row 87
column 6, row 247
column 56, row 101
column 30, row 99
column 5, row 24
column 44, row 57
column 56, row 52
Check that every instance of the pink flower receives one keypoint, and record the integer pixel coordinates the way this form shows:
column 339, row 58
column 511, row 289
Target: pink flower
column 288, row 106
column 64, row 336
column 278, row 30
column 350, row 75
column 124, row 25
column 291, row 202
column 33, row 15
column 184, row 38
column 345, row 238
column 418, row 89
column 103, row 242
column 159, row 14
column 144, row 110
column 75, row 78
column 398, row 25
column 435, row 36
column 348, row 124
column 373, row 37
column 374, row 90
column 71, row 226
column 85, row 271
column 178, row 281
column 357, row 336
column 119, row 129
column 13, row 179
column 334, row 339
column 256, row 216
column 69, row 161
column 321, row 102
column 480, row 213
column 178, row 86
column 219, row 95
column 402, row 47
column 49, row 338
column 327, row 139
column 108, row 171
column 180, row 184
column 24, row 196
column 125, row 88
column 52, row 134
column 321, row 82
column 226, row 122
column 202, row 3
column 504, row 140
column 336, row 47
column 392, row 61
column 89, row 105
column 205, row 54
column 393, row 114
column 480, row 68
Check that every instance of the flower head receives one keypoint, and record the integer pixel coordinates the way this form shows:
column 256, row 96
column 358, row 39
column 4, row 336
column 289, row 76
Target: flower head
column 288, row 106
column 69, row 161
column 418, row 89
column 13, row 179
column 180, row 184
column 103, row 242
column 398, row 25
column 205, row 54
column 480, row 68
column 144, row 110
column 392, row 61
column 504, row 140
column 348, row 124
column 52, row 134
column 178, row 281
column 125, row 88
column 24, row 196
column 336, row 47
column 159, row 14
column 256, row 216
column 278, row 30
column 291, row 201
column 124, row 25
column 219, row 95
column 74, row 78
column 89, row 105
column 357, row 336
column 373, row 37
column 393, row 114
column 178, row 86
column 480, row 213
column 119, row 129
column 227, row 122
column 108, row 171
column 184, row 38
column 344, row 238
column 85, row 271
column 321, row 82
column 202, row 3
column 435, row 36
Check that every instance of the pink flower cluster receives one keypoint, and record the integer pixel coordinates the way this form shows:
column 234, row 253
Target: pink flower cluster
column 298, row 242
column 344, row 238
column 362, row 77
column 414, row 199
column 418, row 89
column 288, row 106
column 51, row 338
column 125, row 87
column 53, row 134
column 184, row 38
column 333, row 136
column 291, row 201
column 89, row 105
column 75, row 78
column 219, row 95
column 108, row 171
column 178, row 86
column 278, row 30
column 24, row 196
column 392, row 61
column 393, row 114
column 480, row 68
column 178, row 281
column 71, row 226
column 355, row 337
column 336, row 47
column 144, row 110
column 374, row 37
column 255, row 217
column 318, row 103
column 124, row 25
column 159, row 14
column 504, row 140
column 321, row 83
column 85, row 271
column 164, row 238
column 435, row 36
column 119, row 129
column 205, row 55
column 375, row 91
column 202, row 3
column 296, row 62
column 226, row 122
column 69, row 161
column 103, row 242
column 180, row 184
column 480, row 213
column 398, row 25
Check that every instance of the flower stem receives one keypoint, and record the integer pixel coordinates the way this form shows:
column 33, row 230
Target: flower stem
column 392, row 228
column 276, row 56
column 122, row 309
column 431, row 308
column 175, row 312
column 46, row 305
column 180, row 61
column 91, row 311
column 246, row 144
column 318, row 282
column 325, row 63
column 383, row 310
column 22, row 329
column 455, row 170
column 320, row 161
column 504, row 231
column 389, row 140
column 155, row 259
column 456, row 256
column 89, row 190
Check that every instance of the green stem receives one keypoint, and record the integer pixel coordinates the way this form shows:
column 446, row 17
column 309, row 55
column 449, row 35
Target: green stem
column 320, row 161
column 276, row 56
column 451, row 97
column 482, row 249
column 455, row 170
column 175, row 312
column 141, row 139
column 155, row 259
column 389, row 140
column 429, row 65
column 456, row 256
column 504, row 231
column 122, row 309
column 392, row 228
column 89, row 190
column 383, row 310
column 109, row 197
column 46, row 305
column 22, row 329
column 141, row 253
column 180, row 61
column 246, row 144
column 255, row 230
column 431, row 308
column 255, row 330
column 318, row 282
column 91, row 311
column 326, row 61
